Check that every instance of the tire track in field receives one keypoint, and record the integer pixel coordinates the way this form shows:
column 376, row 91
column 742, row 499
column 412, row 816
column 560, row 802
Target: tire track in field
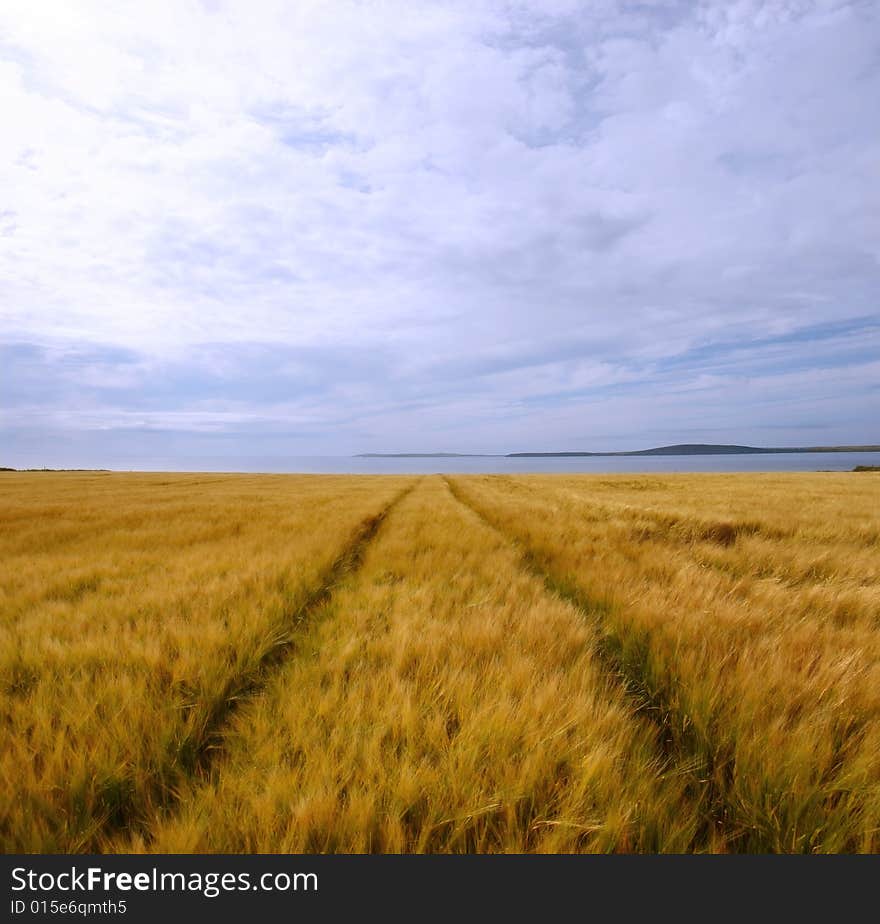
column 195, row 754
column 676, row 747
column 205, row 746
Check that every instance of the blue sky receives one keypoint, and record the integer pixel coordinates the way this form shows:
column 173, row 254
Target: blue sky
column 235, row 230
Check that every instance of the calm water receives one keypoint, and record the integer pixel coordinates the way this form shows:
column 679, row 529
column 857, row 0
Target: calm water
column 787, row 462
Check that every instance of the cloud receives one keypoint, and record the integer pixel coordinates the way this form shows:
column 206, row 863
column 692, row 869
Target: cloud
column 419, row 226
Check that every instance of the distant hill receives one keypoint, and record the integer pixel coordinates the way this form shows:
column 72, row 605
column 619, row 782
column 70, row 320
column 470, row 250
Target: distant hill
column 679, row 449
column 701, row 449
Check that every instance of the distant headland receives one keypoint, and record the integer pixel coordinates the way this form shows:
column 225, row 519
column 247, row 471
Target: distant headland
column 679, row 449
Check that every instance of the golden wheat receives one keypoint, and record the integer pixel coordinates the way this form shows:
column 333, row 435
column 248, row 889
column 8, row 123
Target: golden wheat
column 445, row 702
column 484, row 663
column 747, row 609
column 132, row 608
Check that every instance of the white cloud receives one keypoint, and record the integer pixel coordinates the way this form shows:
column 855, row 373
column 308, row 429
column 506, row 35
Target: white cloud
column 447, row 183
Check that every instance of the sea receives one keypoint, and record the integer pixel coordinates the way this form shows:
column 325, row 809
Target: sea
column 781, row 462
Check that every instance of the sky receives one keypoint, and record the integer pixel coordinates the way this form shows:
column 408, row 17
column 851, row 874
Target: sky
column 250, row 230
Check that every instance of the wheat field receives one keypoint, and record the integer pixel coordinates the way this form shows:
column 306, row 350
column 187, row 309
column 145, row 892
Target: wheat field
column 292, row 663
